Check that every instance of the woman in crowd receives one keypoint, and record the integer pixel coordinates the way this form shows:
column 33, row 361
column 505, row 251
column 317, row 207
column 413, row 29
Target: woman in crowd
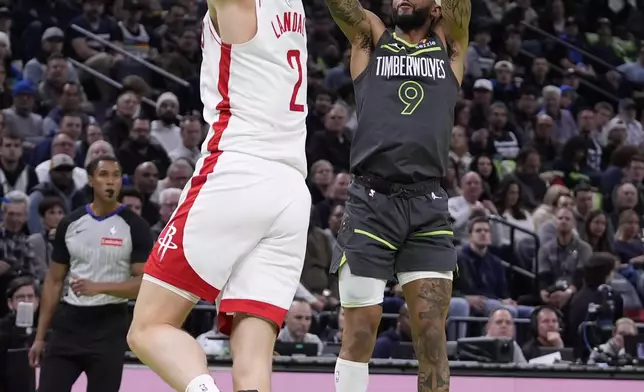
column 320, row 179
column 51, row 210
column 595, row 232
column 508, row 204
column 545, row 212
column 459, row 150
column 484, row 166
column 630, row 249
column 451, row 180
column 462, row 116
column 572, row 163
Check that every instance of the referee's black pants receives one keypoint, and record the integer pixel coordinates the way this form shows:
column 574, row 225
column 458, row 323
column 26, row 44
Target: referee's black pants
column 85, row 339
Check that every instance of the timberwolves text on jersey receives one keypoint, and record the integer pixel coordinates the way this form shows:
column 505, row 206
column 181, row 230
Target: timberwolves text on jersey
column 405, row 105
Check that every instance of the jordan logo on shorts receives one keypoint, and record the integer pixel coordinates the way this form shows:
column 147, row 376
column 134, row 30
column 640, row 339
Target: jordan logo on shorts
column 165, row 242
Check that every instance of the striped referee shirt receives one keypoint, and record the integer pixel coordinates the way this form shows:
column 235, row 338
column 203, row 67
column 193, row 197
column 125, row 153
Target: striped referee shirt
column 101, row 249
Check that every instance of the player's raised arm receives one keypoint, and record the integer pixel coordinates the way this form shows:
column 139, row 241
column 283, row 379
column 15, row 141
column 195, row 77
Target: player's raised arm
column 456, row 21
column 360, row 26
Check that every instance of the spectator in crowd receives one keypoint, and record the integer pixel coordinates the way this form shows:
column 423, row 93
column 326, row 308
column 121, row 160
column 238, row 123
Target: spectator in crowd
column 16, row 254
column 139, row 148
column 483, row 164
column 60, row 184
column 93, row 133
column 527, row 172
column 561, row 261
column 461, row 207
column 146, row 182
column 21, row 115
column 482, row 275
column 214, row 343
column 625, row 198
column 335, row 335
column 333, row 143
column 168, row 202
column 191, row 137
column 627, row 116
column 548, row 229
column 71, row 100
column 500, row 324
column 480, row 58
column 564, row 126
column 544, row 142
column 131, row 198
column 165, row 130
column 52, row 42
column 179, row 172
column 510, row 206
column 506, row 143
column 54, row 90
column 14, row 174
column 595, row 232
column 97, row 149
column 317, row 261
column 119, row 120
column 335, row 223
column 320, row 180
column 583, row 204
column 597, row 273
column 62, row 144
column 387, row 342
column 614, row 347
column 51, row 211
column 70, row 125
column 297, row 325
column 546, row 329
column 459, row 149
column 23, row 289
column 629, row 249
column 556, row 196
column 338, row 194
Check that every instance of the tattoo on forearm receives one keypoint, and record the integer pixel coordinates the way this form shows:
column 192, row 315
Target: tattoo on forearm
column 349, row 15
column 431, row 348
column 458, row 12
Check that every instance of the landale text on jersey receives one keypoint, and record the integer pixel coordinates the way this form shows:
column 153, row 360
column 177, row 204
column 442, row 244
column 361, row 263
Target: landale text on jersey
column 289, row 22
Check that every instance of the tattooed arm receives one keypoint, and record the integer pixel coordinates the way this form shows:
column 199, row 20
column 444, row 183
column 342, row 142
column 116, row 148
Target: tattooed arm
column 361, row 27
column 456, row 20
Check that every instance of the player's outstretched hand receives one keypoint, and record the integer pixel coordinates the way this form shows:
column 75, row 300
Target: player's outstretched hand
column 35, row 353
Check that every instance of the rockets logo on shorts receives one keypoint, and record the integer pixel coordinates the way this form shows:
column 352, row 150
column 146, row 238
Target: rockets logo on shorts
column 165, row 242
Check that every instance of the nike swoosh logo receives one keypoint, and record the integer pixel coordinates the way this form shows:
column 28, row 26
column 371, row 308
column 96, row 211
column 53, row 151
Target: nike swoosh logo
column 80, row 231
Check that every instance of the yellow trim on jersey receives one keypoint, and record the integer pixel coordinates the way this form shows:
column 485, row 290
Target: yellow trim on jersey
column 397, row 38
column 433, row 233
column 389, row 47
column 375, row 237
column 432, row 49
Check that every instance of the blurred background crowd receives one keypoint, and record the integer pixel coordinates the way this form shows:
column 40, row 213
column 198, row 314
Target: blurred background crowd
column 546, row 180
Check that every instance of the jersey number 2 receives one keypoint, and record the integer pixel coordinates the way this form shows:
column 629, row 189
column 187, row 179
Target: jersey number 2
column 293, row 57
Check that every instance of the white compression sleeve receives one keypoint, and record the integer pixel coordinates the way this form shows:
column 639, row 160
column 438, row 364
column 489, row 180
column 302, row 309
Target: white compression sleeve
column 351, row 376
column 203, row 383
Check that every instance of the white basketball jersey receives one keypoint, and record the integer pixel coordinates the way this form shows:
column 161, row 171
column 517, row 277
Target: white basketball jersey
column 254, row 94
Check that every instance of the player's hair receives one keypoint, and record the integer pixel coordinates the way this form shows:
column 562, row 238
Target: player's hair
column 93, row 164
column 48, row 203
column 129, row 191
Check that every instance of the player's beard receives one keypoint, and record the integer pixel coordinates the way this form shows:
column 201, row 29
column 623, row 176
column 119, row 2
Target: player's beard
column 413, row 21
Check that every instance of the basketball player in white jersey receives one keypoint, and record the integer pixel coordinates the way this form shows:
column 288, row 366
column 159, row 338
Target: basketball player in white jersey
column 238, row 234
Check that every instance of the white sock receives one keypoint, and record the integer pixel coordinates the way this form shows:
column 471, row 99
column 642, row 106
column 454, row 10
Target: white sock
column 203, row 383
column 351, row 376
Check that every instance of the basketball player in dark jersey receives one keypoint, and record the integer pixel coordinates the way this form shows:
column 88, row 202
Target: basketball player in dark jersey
column 396, row 221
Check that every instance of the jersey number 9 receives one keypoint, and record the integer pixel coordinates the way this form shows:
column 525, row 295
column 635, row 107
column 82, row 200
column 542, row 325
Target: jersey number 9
column 295, row 62
column 411, row 94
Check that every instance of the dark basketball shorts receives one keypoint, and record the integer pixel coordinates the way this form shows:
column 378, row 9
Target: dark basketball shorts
column 399, row 229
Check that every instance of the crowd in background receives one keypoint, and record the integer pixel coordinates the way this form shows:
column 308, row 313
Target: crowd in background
column 546, row 162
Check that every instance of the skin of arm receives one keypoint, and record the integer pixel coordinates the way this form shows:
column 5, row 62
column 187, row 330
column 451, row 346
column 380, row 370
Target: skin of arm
column 361, row 27
column 455, row 23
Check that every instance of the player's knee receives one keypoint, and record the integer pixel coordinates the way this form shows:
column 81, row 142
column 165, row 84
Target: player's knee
column 360, row 330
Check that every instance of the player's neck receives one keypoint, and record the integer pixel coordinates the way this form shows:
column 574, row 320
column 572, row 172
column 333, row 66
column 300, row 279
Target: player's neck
column 412, row 36
column 104, row 208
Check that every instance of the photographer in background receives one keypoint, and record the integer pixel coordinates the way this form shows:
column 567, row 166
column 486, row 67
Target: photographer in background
column 594, row 302
column 561, row 261
column 15, row 373
column 613, row 349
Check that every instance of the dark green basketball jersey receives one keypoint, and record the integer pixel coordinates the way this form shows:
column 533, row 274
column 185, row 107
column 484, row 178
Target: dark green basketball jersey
column 405, row 106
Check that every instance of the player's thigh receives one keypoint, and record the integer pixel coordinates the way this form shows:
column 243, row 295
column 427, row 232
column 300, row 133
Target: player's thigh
column 263, row 283
column 219, row 221
column 371, row 233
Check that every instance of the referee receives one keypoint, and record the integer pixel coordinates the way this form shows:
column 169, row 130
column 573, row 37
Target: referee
column 103, row 247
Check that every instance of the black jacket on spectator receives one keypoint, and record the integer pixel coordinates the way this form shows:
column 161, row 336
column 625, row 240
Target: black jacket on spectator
column 130, row 157
column 329, row 146
column 15, row 373
column 481, row 275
